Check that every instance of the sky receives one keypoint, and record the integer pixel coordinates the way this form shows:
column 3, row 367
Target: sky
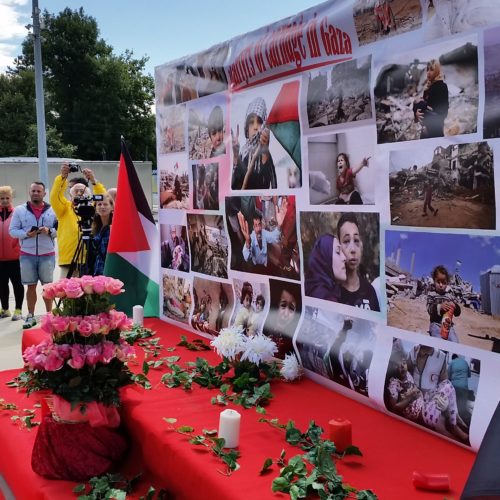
column 476, row 253
column 164, row 30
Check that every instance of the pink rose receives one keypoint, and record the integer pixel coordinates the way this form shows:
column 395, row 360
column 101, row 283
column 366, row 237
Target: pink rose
column 85, row 328
column 87, row 284
column 73, row 289
column 77, row 360
column 49, row 291
column 59, row 288
column 60, row 323
column 108, row 351
column 64, row 350
column 99, row 284
column 96, row 326
column 93, row 354
column 53, row 362
column 46, row 323
column 124, row 351
column 72, row 323
column 114, row 286
column 31, row 357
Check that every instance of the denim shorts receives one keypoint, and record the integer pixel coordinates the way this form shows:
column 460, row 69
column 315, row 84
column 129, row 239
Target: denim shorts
column 34, row 268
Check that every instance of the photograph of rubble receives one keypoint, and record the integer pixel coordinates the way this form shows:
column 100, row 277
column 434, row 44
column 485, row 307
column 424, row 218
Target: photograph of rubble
column 174, row 181
column 430, row 92
column 492, row 83
column 340, row 93
column 337, row 347
column 378, row 19
column 450, row 186
column 432, row 387
column 444, row 285
column 171, row 123
column 176, row 298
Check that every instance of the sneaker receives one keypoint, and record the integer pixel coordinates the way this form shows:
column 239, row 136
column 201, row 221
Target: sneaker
column 17, row 315
column 29, row 322
column 4, row 313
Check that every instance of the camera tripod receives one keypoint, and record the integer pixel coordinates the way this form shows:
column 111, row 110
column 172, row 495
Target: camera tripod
column 80, row 260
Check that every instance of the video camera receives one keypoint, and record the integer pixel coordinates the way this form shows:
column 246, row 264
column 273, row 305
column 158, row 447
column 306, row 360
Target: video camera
column 74, row 167
column 84, row 208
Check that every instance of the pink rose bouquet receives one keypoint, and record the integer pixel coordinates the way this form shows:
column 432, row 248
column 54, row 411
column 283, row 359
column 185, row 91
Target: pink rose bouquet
column 84, row 360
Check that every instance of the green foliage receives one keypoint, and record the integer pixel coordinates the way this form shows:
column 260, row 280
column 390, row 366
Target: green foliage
column 195, row 345
column 54, row 141
column 137, row 333
column 92, row 95
column 313, row 472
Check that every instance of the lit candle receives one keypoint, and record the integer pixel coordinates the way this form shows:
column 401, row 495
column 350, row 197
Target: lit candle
column 229, row 427
column 138, row 315
column 340, row 433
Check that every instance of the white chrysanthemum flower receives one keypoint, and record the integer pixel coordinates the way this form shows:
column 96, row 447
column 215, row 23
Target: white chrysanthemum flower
column 229, row 343
column 259, row 348
column 291, row 369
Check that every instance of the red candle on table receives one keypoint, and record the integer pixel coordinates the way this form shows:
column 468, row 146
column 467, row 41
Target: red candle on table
column 340, row 433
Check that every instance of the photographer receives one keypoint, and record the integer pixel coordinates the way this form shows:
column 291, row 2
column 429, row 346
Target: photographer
column 101, row 228
column 68, row 230
column 34, row 224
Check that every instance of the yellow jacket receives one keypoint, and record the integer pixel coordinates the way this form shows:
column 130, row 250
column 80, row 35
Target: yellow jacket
column 67, row 229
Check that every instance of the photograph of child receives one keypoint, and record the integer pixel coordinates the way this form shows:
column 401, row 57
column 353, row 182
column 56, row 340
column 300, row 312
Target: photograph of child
column 449, row 17
column 213, row 303
column 344, row 171
column 432, row 387
column 437, row 186
column 341, row 257
column 285, row 309
column 174, row 181
column 445, row 286
column 174, row 248
column 170, row 120
column 430, row 92
column 206, row 129
column 263, row 235
column 266, row 156
column 252, row 304
column 176, row 298
column 340, row 93
column 492, row 83
column 378, row 19
column 206, row 186
column 208, row 244
column 337, row 347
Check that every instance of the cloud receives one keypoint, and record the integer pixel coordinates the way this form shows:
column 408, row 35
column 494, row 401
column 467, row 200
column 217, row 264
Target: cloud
column 14, row 15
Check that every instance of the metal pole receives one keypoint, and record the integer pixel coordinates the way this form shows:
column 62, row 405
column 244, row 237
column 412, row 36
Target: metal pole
column 40, row 105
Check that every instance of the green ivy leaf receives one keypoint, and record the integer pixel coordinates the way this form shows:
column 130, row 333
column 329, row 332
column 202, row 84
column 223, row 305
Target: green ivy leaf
column 185, row 429
column 79, row 488
column 267, row 464
column 210, row 432
column 353, row 450
column 170, row 420
column 280, row 484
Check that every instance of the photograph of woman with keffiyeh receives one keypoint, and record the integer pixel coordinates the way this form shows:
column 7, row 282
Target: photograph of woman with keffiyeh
column 265, row 134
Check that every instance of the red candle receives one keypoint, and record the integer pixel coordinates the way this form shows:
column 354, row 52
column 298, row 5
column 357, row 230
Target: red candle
column 340, row 433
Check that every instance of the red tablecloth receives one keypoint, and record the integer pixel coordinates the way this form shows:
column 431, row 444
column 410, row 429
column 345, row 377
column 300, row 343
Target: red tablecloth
column 392, row 449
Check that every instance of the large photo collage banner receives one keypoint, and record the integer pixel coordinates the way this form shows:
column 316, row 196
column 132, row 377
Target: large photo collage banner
column 330, row 181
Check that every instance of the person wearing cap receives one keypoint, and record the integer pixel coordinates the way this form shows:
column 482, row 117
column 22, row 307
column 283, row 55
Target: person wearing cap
column 253, row 166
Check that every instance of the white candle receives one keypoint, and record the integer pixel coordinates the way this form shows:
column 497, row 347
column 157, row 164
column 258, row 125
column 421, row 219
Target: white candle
column 138, row 315
column 229, row 427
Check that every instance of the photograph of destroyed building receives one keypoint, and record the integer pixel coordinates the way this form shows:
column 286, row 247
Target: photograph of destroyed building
column 472, row 266
column 457, row 181
column 449, row 100
column 340, row 94
column 492, row 83
column 375, row 20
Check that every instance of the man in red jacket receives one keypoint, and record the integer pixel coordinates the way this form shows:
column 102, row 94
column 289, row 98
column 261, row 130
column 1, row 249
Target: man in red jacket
column 9, row 259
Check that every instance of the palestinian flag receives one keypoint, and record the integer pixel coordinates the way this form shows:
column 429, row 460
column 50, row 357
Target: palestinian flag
column 133, row 250
column 283, row 120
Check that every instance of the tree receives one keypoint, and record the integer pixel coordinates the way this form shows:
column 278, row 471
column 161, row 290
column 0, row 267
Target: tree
column 55, row 145
column 94, row 95
column 17, row 111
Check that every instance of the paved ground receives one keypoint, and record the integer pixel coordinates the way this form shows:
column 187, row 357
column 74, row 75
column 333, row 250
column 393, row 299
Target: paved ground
column 11, row 334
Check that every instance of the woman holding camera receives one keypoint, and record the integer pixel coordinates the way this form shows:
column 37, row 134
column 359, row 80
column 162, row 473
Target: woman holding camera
column 101, row 227
column 431, row 110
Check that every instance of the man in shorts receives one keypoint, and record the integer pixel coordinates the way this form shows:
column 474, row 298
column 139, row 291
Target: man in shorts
column 34, row 223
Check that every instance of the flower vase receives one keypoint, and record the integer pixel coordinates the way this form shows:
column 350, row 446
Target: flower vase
column 77, row 444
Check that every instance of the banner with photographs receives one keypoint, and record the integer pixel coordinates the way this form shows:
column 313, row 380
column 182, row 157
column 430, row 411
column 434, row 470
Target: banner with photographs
column 330, row 181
